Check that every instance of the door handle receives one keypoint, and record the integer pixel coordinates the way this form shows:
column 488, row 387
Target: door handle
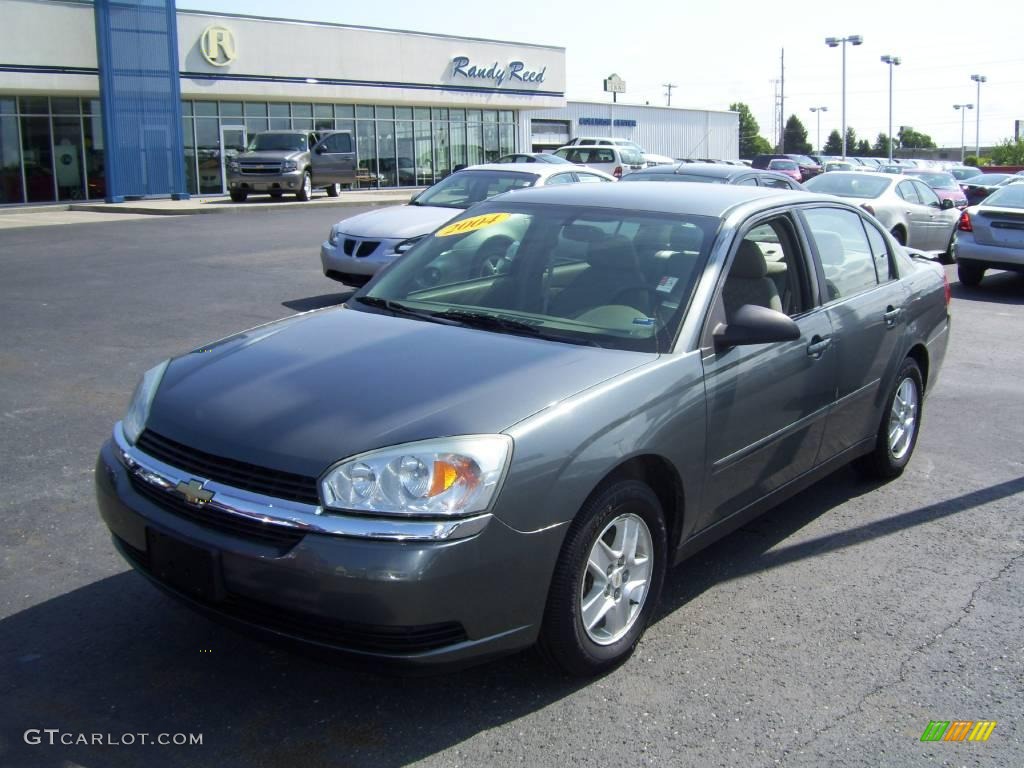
column 818, row 345
column 892, row 316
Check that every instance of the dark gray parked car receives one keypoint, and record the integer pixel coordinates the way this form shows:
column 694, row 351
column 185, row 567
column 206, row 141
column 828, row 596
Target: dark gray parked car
column 713, row 173
column 458, row 465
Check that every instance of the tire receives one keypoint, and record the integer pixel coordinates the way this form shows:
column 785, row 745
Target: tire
column 890, row 456
column 239, row 196
column 277, row 194
column 607, row 516
column 333, row 190
column 970, row 273
column 949, row 257
column 306, row 190
column 900, row 235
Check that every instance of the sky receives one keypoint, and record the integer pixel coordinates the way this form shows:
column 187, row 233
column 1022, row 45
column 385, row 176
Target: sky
column 719, row 52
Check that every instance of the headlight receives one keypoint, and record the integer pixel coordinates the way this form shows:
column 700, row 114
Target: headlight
column 134, row 420
column 405, row 245
column 446, row 477
column 334, row 237
column 289, row 165
column 234, row 166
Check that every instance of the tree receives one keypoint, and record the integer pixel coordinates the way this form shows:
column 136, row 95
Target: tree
column 851, row 140
column 881, row 148
column 751, row 142
column 1008, row 152
column 794, row 137
column 834, row 144
column 911, row 139
column 864, row 148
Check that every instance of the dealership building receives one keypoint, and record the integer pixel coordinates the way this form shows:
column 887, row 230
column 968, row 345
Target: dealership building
column 118, row 99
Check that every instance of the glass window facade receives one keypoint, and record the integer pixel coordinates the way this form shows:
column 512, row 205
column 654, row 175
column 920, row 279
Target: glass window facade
column 51, row 148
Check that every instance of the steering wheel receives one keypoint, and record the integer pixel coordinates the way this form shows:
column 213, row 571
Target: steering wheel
column 490, row 255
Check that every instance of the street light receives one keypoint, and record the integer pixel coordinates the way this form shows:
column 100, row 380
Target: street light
column 833, row 42
column 962, row 108
column 818, row 111
column 979, row 79
column 892, row 61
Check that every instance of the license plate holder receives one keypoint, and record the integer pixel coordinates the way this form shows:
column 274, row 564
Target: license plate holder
column 188, row 568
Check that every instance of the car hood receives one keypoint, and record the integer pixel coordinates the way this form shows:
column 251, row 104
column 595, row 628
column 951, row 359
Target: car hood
column 269, row 156
column 398, row 221
column 305, row 392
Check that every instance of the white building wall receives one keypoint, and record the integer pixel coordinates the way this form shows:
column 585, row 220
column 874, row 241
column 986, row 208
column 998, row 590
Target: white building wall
column 682, row 133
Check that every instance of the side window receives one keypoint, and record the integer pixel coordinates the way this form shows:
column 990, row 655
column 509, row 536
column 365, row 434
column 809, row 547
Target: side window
column 879, row 253
column 927, row 195
column 767, row 271
column 775, row 183
column 560, row 178
column 590, row 178
column 750, row 181
column 846, row 257
column 905, row 189
column 338, row 143
column 603, row 156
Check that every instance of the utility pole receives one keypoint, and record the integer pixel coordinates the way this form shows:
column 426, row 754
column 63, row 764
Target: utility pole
column 668, row 91
column 782, row 102
column 775, row 114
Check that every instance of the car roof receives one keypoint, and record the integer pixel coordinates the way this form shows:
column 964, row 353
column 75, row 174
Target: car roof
column 696, row 199
column 537, row 169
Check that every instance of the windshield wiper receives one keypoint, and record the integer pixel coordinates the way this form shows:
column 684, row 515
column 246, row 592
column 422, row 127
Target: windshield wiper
column 491, row 322
column 398, row 309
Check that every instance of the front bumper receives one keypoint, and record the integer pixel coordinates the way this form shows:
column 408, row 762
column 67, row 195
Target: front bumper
column 337, row 264
column 414, row 602
column 278, row 182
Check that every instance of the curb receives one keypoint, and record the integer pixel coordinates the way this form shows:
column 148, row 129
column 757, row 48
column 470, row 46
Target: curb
column 225, row 208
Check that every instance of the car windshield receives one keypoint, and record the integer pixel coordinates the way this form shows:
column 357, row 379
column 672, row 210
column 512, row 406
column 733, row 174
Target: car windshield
column 782, row 165
column 989, row 179
column 601, row 277
column 938, row 180
column 863, row 185
column 1010, row 196
column 463, row 189
column 960, row 174
column 550, row 158
column 267, row 142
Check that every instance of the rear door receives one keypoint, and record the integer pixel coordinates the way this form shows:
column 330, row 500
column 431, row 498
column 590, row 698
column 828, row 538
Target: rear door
column 866, row 309
column 334, row 160
column 767, row 403
column 918, row 216
column 940, row 222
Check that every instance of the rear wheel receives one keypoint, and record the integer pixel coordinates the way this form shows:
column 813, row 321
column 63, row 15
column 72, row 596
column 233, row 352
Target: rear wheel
column 970, row 273
column 333, row 190
column 607, row 580
column 900, row 235
column 239, row 195
column 306, row 190
column 897, row 432
column 949, row 257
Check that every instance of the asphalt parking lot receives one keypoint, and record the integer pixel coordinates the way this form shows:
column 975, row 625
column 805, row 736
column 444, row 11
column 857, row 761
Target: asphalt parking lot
column 829, row 632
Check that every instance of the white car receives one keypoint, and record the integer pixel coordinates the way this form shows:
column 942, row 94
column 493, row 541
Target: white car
column 617, row 160
column 358, row 247
column 650, row 158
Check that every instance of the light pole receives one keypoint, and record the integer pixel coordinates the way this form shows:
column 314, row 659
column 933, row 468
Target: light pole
column 818, row 111
column 892, row 61
column 833, row 42
column 962, row 109
column 979, row 79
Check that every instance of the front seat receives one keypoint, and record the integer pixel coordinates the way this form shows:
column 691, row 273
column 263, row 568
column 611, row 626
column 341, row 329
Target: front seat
column 748, row 281
column 613, row 277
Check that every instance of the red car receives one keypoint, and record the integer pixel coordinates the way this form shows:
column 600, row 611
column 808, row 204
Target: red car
column 943, row 184
column 788, row 167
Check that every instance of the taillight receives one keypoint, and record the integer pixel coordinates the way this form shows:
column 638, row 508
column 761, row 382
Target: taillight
column 964, row 225
column 945, row 286
column 868, row 208
column 617, row 173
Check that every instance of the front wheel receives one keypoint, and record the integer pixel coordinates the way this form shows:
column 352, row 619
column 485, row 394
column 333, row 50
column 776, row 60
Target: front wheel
column 239, row 195
column 306, row 190
column 897, row 433
column 970, row 273
column 949, row 257
column 607, row 580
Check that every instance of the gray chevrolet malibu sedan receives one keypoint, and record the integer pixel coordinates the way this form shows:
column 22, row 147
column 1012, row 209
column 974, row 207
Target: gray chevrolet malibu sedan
column 457, row 465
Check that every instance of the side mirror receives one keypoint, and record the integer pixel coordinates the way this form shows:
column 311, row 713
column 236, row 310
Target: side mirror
column 319, row 149
column 751, row 324
column 946, row 204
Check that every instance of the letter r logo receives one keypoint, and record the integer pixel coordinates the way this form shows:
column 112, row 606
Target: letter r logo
column 218, row 46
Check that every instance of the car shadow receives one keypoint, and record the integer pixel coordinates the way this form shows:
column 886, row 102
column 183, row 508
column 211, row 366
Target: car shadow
column 996, row 288
column 319, row 302
column 117, row 657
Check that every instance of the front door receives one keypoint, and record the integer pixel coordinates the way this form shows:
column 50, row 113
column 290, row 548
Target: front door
column 232, row 142
column 767, row 403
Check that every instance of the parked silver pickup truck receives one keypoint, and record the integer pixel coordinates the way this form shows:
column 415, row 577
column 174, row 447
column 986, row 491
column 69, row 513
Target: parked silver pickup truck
column 277, row 162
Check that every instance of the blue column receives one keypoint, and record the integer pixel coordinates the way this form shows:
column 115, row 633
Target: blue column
column 137, row 50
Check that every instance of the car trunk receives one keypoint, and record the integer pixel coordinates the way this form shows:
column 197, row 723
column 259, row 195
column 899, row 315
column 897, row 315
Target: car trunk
column 999, row 226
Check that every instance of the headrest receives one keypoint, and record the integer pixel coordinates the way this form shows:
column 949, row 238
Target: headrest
column 830, row 247
column 749, row 262
column 583, row 233
column 614, row 252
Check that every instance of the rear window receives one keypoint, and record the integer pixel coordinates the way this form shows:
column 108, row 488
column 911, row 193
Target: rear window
column 782, row 165
column 1011, row 196
column 861, row 185
column 938, row 180
column 631, row 156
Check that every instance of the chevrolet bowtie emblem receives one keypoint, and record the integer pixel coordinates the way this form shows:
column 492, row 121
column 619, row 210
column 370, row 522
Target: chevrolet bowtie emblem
column 193, row 492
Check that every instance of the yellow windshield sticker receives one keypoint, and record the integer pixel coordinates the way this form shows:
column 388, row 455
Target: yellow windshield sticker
column 472, row 223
